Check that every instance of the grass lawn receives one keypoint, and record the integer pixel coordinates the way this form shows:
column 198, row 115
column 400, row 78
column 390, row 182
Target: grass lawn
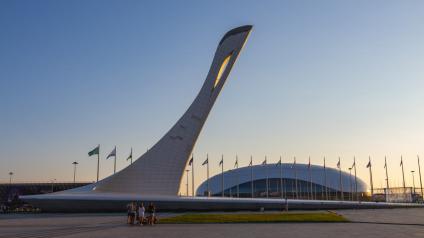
column 253, row 218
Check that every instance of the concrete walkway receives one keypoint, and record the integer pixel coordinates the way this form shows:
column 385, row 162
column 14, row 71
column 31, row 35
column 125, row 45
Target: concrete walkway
column 366, row 223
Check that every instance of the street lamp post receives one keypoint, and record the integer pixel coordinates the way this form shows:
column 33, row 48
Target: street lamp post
column 413, row 182
column 75, row 169
column 53, row 180
column 10, row 178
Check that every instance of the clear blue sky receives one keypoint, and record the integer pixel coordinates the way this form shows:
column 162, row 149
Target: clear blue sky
column 318, row 78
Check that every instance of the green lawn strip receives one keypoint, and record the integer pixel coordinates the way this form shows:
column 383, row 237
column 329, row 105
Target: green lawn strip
column 253, row 218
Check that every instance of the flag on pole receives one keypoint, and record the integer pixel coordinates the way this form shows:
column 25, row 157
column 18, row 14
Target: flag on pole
column 112, row 154
column 130, row 156
column 401, row 161
column 95, row 151
column 309, row 164
column 206, row 161
column 251, row 161
column 338, row 164
column 279, row 162
column 191, row 160
column 264, row 163
column 354, row 162
column 294, row 163
column 222, row 161
column 369, row 164
column 236, row 163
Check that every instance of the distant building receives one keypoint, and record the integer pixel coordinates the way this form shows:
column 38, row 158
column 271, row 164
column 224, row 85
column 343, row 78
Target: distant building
column 11, row 192
column 291, row 175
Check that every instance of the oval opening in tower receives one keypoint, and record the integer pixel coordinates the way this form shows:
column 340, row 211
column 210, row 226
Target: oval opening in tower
column 222, row 69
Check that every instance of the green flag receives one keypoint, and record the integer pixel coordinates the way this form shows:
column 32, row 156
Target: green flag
column 95, row 151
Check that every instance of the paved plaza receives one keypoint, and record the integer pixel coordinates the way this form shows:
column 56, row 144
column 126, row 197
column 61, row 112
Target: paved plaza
column 365, row 223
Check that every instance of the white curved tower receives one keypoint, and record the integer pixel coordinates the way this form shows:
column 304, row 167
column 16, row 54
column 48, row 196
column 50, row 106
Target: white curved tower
column 159, row 171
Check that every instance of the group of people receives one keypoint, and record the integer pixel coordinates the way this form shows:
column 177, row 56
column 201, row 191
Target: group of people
column 137, row 214
column 3, row 208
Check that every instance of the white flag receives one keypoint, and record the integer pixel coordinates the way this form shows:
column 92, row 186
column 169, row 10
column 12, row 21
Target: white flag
column 112, row 154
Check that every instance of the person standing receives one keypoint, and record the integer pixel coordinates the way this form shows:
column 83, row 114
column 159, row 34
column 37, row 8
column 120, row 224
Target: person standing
column 150, row 211
column 128, row 213
column 153, row 214
column 141, row 211
column 133, row 212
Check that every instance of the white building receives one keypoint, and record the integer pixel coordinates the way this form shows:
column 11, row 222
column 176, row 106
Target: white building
column 284, row 181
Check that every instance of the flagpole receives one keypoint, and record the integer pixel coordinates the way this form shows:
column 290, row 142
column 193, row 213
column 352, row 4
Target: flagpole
column 207, row 173
column 251, row 175
column 131, row 155
column 187, row 183
column 98, row 163
column 238, row 195
column 403, row 174
column 322, row 190
column 266, row 171
column 310, row 178
column 387, row 178
column 325, row 181
column 295, row 177
column 371, row 182
column 419, row 172
column 356, row 181
column 350, row 185
column 341, row 182
column 192, row 175
column 114, row 162
column 222, row 164
column 281, row 178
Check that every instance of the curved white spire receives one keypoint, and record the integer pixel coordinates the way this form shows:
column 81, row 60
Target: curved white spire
column 160, row 170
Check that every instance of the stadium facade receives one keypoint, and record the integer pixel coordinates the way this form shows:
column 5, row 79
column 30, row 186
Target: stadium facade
column 297, row 181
